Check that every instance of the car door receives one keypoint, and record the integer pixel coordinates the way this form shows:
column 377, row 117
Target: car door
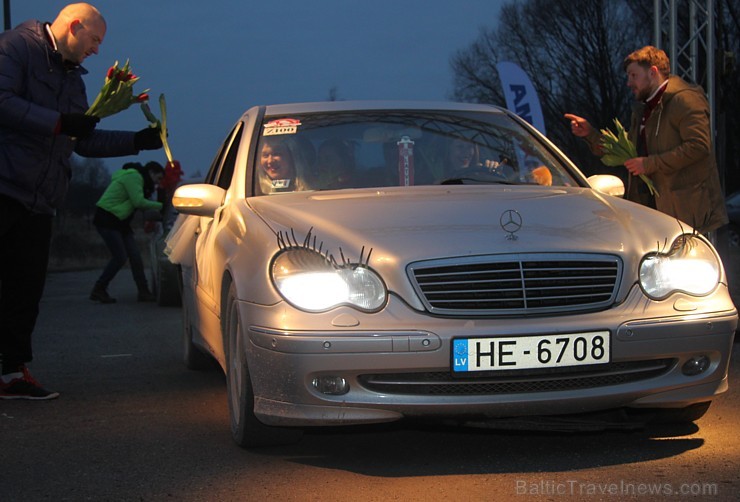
column 207, row 269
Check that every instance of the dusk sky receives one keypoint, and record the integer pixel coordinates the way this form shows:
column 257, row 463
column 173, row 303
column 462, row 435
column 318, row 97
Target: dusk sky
column 213, row 60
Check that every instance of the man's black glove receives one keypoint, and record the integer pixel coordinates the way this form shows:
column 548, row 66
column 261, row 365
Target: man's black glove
column 148, row 139
column 77, row 125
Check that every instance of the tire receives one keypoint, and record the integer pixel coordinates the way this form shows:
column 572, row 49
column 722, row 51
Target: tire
column 165, row 277
column 193, row 357
column 246, row 429
column 167, row 290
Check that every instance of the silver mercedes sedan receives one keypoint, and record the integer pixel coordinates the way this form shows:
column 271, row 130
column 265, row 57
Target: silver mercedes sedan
column 364, row 262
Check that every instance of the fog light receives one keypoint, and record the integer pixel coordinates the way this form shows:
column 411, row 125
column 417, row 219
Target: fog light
column 331, row 385
column 695, row 365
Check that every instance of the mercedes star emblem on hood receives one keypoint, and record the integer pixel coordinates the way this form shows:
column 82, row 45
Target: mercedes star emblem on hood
column 511, row 222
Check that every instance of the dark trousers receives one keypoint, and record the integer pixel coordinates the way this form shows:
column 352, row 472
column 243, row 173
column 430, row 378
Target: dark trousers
column 122, row 246
column 25, row 238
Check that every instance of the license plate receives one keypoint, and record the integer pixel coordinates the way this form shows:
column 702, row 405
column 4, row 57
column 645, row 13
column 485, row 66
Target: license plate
column 528, row 352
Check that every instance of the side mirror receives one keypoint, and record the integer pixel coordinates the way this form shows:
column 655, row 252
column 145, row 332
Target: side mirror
column 607, row 184
column 198, row 199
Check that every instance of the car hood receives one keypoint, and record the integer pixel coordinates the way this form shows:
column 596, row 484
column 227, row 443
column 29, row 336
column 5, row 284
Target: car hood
column 403, row 225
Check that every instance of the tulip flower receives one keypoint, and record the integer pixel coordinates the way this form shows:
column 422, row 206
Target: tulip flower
column 618, row 148
column 117, row 93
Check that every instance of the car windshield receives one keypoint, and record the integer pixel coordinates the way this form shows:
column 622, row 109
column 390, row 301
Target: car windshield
column 327, row 151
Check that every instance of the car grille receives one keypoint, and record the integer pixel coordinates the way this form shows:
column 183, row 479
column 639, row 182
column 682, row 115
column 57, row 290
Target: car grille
column 526, row 381
column 524, row 284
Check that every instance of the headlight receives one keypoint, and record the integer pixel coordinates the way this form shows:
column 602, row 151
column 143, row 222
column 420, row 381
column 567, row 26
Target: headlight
column 311, row 282
column 690, row 266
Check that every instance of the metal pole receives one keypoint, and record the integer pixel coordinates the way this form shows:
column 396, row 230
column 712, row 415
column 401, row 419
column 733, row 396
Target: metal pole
column 672, row 35
column 6, row 13
column 711, row 77
column 693, row 68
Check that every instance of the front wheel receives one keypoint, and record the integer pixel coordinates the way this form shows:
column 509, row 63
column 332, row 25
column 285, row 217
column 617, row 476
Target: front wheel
column 167, row 287
column 246, row 429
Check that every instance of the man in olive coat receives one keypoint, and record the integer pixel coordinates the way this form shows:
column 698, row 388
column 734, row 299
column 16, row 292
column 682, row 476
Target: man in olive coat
column 670, row 126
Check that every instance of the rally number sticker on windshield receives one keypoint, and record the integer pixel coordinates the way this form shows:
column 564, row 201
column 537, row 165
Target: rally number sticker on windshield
column 281, row 126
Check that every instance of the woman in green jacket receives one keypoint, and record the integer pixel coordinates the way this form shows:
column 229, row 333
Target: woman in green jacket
column 129, row 190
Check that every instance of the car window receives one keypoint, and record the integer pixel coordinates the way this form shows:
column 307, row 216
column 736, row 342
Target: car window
column 326, row 151
column 227, row 168
column 222, row 166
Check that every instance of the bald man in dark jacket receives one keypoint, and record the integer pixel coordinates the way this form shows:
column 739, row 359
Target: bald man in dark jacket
column 42, row 121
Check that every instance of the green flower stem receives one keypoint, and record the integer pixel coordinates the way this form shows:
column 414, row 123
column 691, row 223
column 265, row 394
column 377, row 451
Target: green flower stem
column 618, row 149
column 160, row 124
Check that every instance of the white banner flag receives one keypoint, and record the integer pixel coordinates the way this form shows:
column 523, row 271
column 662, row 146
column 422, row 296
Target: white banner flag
column 521, row 98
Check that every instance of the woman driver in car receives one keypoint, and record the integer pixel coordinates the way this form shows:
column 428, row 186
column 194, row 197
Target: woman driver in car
column 278, row 171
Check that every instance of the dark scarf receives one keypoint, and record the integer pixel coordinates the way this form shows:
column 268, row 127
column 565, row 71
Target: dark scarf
column 650, row 105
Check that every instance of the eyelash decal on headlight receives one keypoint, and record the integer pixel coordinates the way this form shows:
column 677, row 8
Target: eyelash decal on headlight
column 685, row 242
column 288, row 241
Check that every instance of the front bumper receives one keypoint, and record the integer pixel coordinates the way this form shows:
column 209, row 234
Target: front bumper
column 405, row 371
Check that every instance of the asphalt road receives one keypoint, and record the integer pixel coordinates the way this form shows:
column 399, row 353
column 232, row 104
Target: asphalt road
column 133, row 424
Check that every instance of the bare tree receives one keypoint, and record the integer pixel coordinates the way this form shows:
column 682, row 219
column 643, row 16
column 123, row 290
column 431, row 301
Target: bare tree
column 89, row 180
column 571, row 49
column 90, row 171
column 334, row 93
